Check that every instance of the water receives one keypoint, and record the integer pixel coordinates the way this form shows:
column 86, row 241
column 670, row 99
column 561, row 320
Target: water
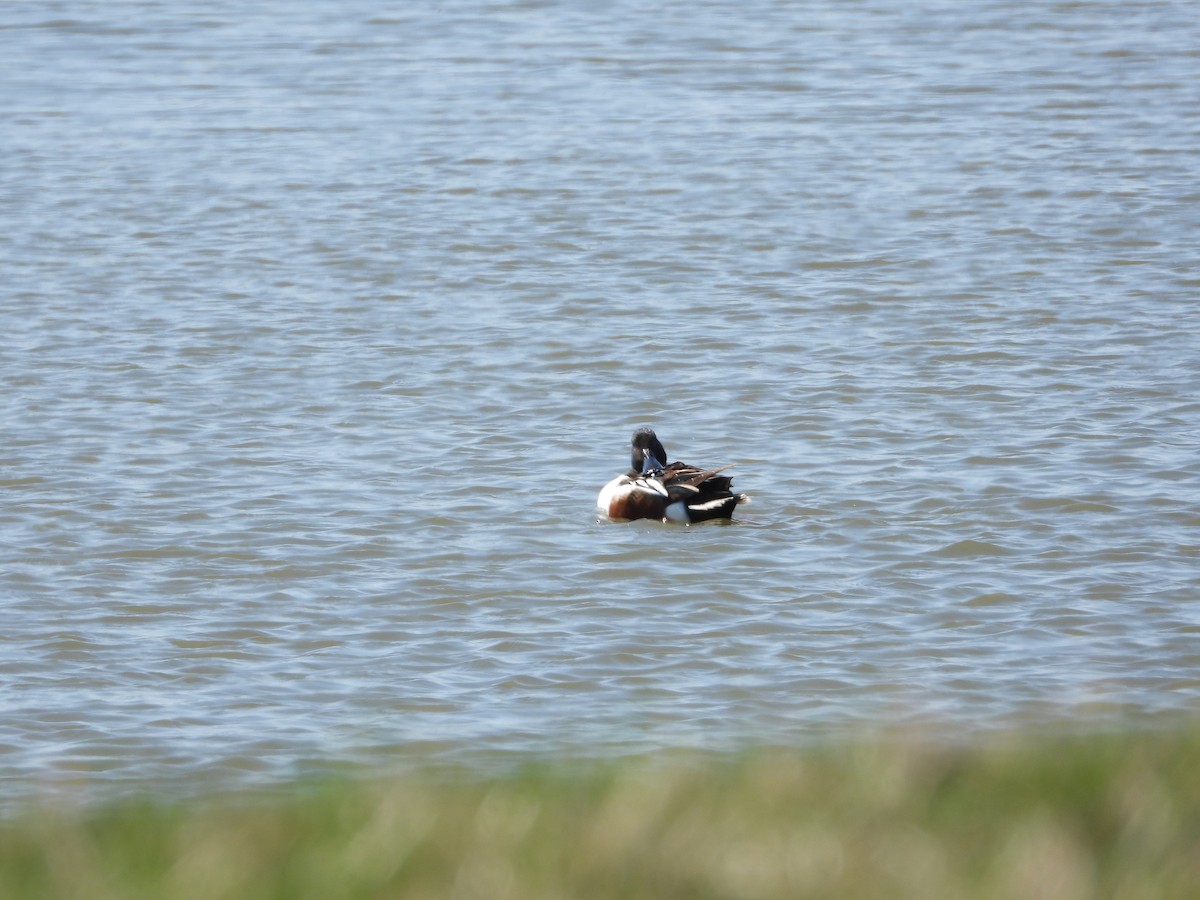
column 322, row 324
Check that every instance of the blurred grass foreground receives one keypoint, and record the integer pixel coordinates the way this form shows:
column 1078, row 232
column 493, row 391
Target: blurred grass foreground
column 1023, row 817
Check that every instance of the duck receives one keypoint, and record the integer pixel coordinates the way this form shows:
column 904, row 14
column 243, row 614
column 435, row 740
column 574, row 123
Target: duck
column 668, row 492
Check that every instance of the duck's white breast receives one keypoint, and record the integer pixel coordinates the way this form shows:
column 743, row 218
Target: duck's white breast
column 615, row 488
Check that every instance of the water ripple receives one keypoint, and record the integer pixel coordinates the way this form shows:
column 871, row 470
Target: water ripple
column 321, row 333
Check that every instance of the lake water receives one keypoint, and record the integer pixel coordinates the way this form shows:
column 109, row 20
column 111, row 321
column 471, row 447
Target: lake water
column 322, row 324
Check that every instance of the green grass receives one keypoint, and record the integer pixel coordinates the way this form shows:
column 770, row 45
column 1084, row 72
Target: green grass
column 1023, row 817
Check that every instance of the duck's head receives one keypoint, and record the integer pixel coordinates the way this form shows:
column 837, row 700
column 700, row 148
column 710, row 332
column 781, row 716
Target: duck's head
column 648, row 453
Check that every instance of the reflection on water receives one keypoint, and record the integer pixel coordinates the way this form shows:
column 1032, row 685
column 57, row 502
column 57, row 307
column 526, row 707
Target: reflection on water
column 321, row 331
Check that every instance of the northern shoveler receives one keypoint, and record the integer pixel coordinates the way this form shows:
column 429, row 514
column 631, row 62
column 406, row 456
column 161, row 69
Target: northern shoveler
column 670, row 492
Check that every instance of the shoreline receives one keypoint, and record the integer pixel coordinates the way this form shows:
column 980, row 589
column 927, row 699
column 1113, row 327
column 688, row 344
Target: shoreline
column 1025, row 815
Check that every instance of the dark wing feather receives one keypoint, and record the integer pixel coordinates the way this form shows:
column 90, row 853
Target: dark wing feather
column 702, row 490
column 697, row 487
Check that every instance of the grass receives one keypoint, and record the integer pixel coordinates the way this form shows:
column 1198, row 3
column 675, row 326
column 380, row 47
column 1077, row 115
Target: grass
column 1024, row 817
